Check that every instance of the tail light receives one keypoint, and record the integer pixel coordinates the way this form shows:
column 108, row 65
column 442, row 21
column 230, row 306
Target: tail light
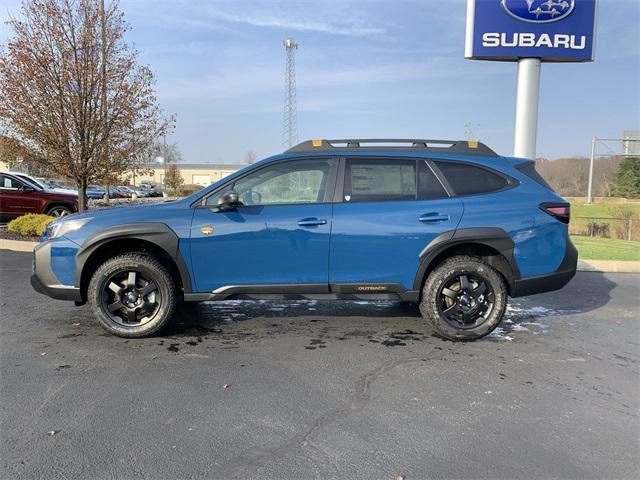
column 559, row 210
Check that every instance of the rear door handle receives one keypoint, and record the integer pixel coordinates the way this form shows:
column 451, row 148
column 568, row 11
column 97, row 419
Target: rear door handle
column 433, row 217
column 312, row 222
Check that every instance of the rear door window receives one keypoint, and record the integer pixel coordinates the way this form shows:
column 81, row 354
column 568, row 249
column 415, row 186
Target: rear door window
column 376, row 180
column 429, row 187
column 466, row 179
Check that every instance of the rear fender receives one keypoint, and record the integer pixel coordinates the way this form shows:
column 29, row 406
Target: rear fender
column 495, row 238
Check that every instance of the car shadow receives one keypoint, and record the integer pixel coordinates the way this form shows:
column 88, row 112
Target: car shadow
column 587, row 291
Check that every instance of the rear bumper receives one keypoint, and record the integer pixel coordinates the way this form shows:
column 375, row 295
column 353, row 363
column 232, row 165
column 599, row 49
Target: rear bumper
column 44, row 281
column 551, row 281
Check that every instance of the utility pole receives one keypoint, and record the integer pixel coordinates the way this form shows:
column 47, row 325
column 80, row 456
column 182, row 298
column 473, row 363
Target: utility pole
column 103, row 34
column 103, row 83
column 591, row 161
column 629, row 149
column 290, row 120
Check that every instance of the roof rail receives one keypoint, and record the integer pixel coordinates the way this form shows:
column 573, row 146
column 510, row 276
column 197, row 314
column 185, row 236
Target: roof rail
column 466, row 147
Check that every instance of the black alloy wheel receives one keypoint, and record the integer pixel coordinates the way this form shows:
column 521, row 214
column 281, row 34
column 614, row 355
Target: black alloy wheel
column 133, row 295
column 130, row 299
column 465, row 300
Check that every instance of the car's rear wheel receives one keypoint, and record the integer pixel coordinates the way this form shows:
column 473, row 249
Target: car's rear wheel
column 463, row 298
column 58, row 211
column 132, row 295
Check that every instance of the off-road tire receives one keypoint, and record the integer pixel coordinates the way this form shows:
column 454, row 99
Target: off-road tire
column 462, row 265
column 151, row 269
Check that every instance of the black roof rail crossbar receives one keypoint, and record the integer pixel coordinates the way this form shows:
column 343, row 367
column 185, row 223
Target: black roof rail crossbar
column 466, row 147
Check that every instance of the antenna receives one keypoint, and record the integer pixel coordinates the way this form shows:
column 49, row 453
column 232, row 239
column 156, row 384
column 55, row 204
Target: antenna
column 290, row 120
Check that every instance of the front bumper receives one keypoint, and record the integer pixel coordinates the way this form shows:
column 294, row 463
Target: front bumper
column 43, row 279
column 550, row 281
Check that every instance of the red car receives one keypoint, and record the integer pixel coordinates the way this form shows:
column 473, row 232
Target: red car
column 19, row 197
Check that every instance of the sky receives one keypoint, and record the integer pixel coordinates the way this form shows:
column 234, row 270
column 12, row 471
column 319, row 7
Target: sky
column 367, row 69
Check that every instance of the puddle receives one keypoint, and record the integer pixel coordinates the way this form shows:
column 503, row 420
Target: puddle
column 522, row 318
column 314, row 326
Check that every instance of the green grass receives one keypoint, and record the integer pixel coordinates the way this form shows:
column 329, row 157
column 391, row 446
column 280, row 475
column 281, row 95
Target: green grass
column 606, row 248
column 611, row 210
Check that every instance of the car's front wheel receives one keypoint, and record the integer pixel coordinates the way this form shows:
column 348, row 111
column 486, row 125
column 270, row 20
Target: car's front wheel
column 132, row 295
column 463, row 298
column 59, row 211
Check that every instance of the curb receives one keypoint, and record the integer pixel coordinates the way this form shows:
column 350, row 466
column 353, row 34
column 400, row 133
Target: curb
column 17, row 245
column 606, row 266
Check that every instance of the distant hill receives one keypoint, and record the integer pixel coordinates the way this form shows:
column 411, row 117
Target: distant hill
column 569, row 176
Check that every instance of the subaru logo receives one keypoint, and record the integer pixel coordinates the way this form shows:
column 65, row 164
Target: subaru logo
column 538, row 11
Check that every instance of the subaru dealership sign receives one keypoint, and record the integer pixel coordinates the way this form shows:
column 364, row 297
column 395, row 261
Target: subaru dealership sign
column 551, row 30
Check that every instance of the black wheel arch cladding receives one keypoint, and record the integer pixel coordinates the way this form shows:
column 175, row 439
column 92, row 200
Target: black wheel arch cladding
column 158, row 234
column 493, row 238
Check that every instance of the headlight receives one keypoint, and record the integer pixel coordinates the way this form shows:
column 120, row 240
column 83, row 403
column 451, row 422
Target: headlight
column 62, row 227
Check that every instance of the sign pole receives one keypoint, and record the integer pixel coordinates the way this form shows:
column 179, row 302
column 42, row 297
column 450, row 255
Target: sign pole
column 530, row 32
column 527, row 95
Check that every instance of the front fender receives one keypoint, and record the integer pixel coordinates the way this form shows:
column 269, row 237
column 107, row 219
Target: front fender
column 157, row 233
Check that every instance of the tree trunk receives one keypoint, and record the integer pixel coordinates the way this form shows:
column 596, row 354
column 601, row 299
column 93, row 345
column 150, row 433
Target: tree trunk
column 82, row 195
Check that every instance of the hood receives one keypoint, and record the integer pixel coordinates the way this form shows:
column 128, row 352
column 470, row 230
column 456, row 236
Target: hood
column 68, row 191
column 64, row 191
column 123, row 211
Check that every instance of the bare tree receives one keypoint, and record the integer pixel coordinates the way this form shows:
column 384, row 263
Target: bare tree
column 72, row 93
column 250, row 157
column 170, row 153
column 569, row 176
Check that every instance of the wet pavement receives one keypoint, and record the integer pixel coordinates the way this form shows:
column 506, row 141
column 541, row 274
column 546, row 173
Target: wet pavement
column 275, row 389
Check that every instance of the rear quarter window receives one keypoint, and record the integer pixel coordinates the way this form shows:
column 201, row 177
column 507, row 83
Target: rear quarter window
column 467, row 179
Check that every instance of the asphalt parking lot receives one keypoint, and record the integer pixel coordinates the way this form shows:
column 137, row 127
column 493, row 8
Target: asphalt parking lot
column 322, row 390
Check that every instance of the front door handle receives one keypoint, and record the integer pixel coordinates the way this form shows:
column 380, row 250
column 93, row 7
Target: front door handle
column 433, row 217
column 312, row 222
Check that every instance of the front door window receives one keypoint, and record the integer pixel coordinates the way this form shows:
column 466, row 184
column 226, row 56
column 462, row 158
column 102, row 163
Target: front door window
column 295, row 182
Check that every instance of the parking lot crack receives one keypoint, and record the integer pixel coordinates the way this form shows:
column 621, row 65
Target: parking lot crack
column 246, row 464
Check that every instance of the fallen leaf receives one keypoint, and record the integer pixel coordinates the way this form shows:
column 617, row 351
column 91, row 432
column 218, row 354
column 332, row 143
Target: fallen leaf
column 42, row 354
column 399, row 477
column 328, row 365
column 51, row 433
column 225, row 386
column 76, row 324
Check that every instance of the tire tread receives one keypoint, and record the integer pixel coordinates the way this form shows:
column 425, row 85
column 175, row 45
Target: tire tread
column 437, row 325
column 169, row 300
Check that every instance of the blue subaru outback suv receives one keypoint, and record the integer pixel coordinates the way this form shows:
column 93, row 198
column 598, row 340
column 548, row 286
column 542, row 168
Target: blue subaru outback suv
column 448, row 224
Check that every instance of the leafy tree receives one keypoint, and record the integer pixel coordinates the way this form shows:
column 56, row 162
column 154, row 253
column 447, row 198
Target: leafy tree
column 172, row 178
column 72, row 93
column 627, row 181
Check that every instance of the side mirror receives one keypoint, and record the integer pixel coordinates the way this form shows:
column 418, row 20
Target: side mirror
column 228, row 201
column 27, row 188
